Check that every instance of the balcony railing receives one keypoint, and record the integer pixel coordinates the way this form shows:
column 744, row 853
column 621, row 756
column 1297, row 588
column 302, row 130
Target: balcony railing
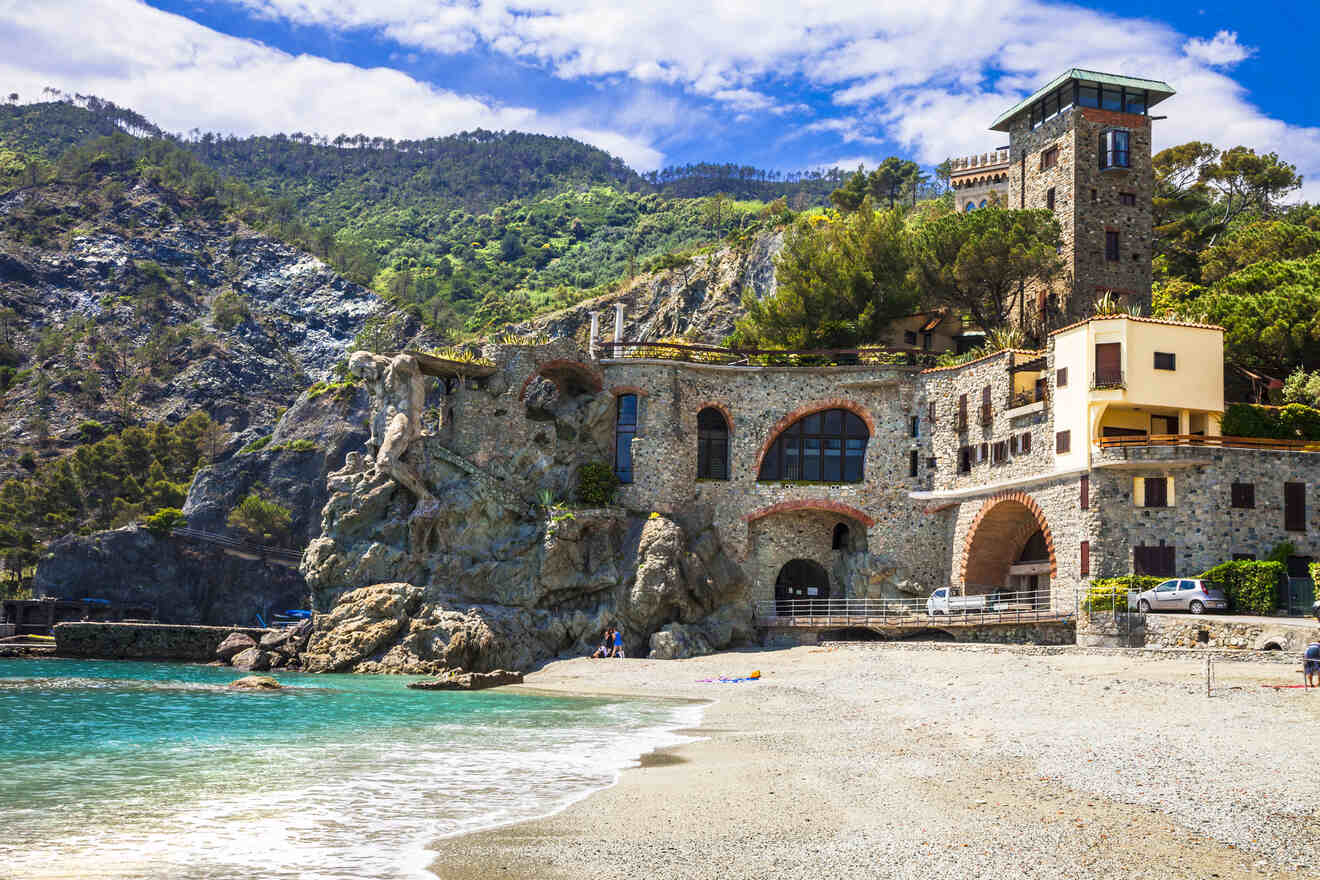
column 1202, row 440
column 1103, row 380
column 767, row 357
column 1026, row 398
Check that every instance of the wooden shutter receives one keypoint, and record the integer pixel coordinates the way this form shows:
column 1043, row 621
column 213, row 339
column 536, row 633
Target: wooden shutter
column 1086, row 558
column 1026, row 443
column 962, row 412
column 1062, row 442
column 1157, row 494
column 985, row 405
column 1061, row 377
column 1108, row 362
column 930, row 413
column 1294, row 507
column 1154, row 561
column 1084, row 492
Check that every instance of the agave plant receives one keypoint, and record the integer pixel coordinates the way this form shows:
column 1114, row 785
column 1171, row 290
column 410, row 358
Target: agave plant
column 1108, row 304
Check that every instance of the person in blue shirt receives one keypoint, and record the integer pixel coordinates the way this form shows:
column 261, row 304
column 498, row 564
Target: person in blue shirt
column 618, row 644
column 1311, row 664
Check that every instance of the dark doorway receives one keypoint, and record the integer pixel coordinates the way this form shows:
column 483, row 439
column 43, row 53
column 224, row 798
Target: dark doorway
column 840, row 537
column 803, row 587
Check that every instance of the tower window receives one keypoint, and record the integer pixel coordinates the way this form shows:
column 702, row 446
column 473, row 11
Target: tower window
column 1114, row 149
column 1049, row 158
column 1095, row 195
column 1129, row 199
column 712, row 445
column 1111, row 245
column 1049, row 198
column 625, row 428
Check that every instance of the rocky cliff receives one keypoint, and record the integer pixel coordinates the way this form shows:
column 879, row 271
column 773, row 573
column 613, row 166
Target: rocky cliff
column 700, row 299
column 496, row 570
column 141, row 306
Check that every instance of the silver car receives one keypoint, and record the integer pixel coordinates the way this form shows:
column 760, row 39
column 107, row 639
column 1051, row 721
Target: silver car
column 1184, row 594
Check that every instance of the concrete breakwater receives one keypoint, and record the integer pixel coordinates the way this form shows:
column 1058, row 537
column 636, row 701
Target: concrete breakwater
column 144, row 641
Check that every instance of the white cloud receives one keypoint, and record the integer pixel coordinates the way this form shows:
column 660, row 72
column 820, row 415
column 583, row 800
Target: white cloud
column 1223, row 50
column 182, row 75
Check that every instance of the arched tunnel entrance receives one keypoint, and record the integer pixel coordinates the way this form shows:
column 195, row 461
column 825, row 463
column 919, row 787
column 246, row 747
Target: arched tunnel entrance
column 1009, row 549
column 802, row 587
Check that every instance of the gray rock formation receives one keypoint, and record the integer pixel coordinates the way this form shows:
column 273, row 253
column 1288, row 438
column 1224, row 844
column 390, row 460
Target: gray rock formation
column 496, row 580
column 187, row 582
column 234, row 643
column 469, row 681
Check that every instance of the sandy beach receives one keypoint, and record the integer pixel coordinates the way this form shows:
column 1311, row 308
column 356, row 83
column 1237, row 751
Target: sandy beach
column 911, row 761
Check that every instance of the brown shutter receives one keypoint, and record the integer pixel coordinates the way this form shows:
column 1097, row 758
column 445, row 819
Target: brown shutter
column 1086, row 558
column 1108, row 362
column 1026, row 443
column 1157, row 492
column 1154, row 561
column 962, row 412
column 1294, row 507
column 1062, row 442
column 985, row 405
column 1085, row 493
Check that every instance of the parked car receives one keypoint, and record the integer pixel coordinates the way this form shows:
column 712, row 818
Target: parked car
column 1183, row 594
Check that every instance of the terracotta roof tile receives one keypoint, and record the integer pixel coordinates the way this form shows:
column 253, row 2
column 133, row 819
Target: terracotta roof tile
column 1143, row 320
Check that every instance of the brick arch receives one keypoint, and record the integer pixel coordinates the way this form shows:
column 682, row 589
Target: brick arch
column 810, row 504
column 807, row 409
column 616, row 390
column 998, row 533
column 724, row 410
column 555, row 369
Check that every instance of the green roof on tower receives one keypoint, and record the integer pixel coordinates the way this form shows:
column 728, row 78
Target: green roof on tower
column 1152, row 91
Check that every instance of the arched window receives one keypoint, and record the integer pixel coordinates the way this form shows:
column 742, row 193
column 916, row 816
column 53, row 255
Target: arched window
column 971, row 206
column 840, row 537
column 712, row 445
column 625, row 428
column 826, row 446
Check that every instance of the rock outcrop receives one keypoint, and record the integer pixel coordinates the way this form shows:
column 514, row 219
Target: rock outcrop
column 492, row 574
column 256, row 683
column 469, row 681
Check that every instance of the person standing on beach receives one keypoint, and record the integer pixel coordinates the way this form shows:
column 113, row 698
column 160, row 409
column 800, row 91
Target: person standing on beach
column 618, row 644
column 1311, row 664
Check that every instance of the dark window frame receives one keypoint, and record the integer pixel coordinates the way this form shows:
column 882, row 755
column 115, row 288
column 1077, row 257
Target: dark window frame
column 1084, row 492
column 1049, row 199
column 1061, row 377
column 1113, row 246
column 1063, row 442
column 1242, row 496
column 712, row 445
column 1294, row 507
column 1126, row 198
column 1160, row 497
column 1049, row 158
column 1084, row 563
column 1169, row 358
column 627, row 413
column 914, row 463
column 778, row 463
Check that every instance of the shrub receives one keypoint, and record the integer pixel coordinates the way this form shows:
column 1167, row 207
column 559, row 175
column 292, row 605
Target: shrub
column 1109, row 594
column 255, row 445
column 596, row 483
column 164, row 521
column 1292, row 422
column 260, row 519
column 90, row 431
column 1251, row 585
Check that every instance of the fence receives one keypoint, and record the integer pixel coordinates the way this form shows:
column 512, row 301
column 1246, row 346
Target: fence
column 992, row 607
column 767, row 357
column 238, row 544
column 1223, row 442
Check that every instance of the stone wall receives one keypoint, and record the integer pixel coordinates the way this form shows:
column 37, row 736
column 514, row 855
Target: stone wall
column 143, row 641
column 1208, row 631
column 900, row 536
column 1202, row 524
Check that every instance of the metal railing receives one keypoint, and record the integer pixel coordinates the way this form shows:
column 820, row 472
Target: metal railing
column 1210, row 441
column 1102, row 380
column 767, row 357
column 237, row 544
column 989, row 607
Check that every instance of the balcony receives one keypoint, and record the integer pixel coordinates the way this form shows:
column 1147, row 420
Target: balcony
column 1026, row 398
column 1105, row 380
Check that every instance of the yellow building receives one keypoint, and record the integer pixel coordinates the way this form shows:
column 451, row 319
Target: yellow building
column 1122, row 376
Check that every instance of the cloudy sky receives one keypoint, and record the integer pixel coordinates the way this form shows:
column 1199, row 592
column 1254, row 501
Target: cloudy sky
column 769, row 83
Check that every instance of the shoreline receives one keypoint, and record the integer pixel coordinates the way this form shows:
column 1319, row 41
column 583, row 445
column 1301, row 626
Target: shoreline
column 852, row 759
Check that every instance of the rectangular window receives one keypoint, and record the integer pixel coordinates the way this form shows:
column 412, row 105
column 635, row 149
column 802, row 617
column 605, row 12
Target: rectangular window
column 914, row 426
column 1135, row 102
column 1108, row 364
column 983, row 454
column 1164, row 360
column 1049, row 158
column 1154, row 561
column 930, row 463
column 926, row 341
column 625, row 428
column 987, row 416
column 1114, row 149
column 1111, row 245
column 1084, row 492
column 1129, row 199
column 1111, row 99
column 1244, row 495
column 1025, row 445
column 1095, row 195
column 930, row 413
column 964, row 459
column 1063, row 442
column 1085, row 562
column 912, row 463
column 1157, row 492
column 1088, row 96
column 962, row 412
column 1294, row 507
column 1000, row 453
column 1049, row 198
column 1013, row 444
column 909, row 337
column 1061, row 377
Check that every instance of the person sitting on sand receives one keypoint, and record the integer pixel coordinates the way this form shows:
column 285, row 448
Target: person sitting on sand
column 1311, row 664
column 605, row 646
column 618, row 644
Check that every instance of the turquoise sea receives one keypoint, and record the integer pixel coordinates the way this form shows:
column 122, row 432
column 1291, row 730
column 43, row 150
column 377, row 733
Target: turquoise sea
column 157, row 770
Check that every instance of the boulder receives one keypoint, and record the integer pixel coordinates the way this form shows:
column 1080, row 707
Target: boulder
column 251, row 660
column 363, row 621
column 541, row 397
column 469, row 681
column 274, row 640
column 233, row 644
column 256, row 683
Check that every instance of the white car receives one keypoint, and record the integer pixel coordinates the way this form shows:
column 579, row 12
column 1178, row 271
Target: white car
column 940, row 602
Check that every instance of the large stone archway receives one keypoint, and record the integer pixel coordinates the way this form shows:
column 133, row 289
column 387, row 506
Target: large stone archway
column 996, row 538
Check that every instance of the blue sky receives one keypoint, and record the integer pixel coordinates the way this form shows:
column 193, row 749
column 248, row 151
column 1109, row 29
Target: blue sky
column 769, row 83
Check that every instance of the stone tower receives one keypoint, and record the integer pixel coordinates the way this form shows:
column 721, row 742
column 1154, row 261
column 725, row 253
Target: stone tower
column 1080, row 146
